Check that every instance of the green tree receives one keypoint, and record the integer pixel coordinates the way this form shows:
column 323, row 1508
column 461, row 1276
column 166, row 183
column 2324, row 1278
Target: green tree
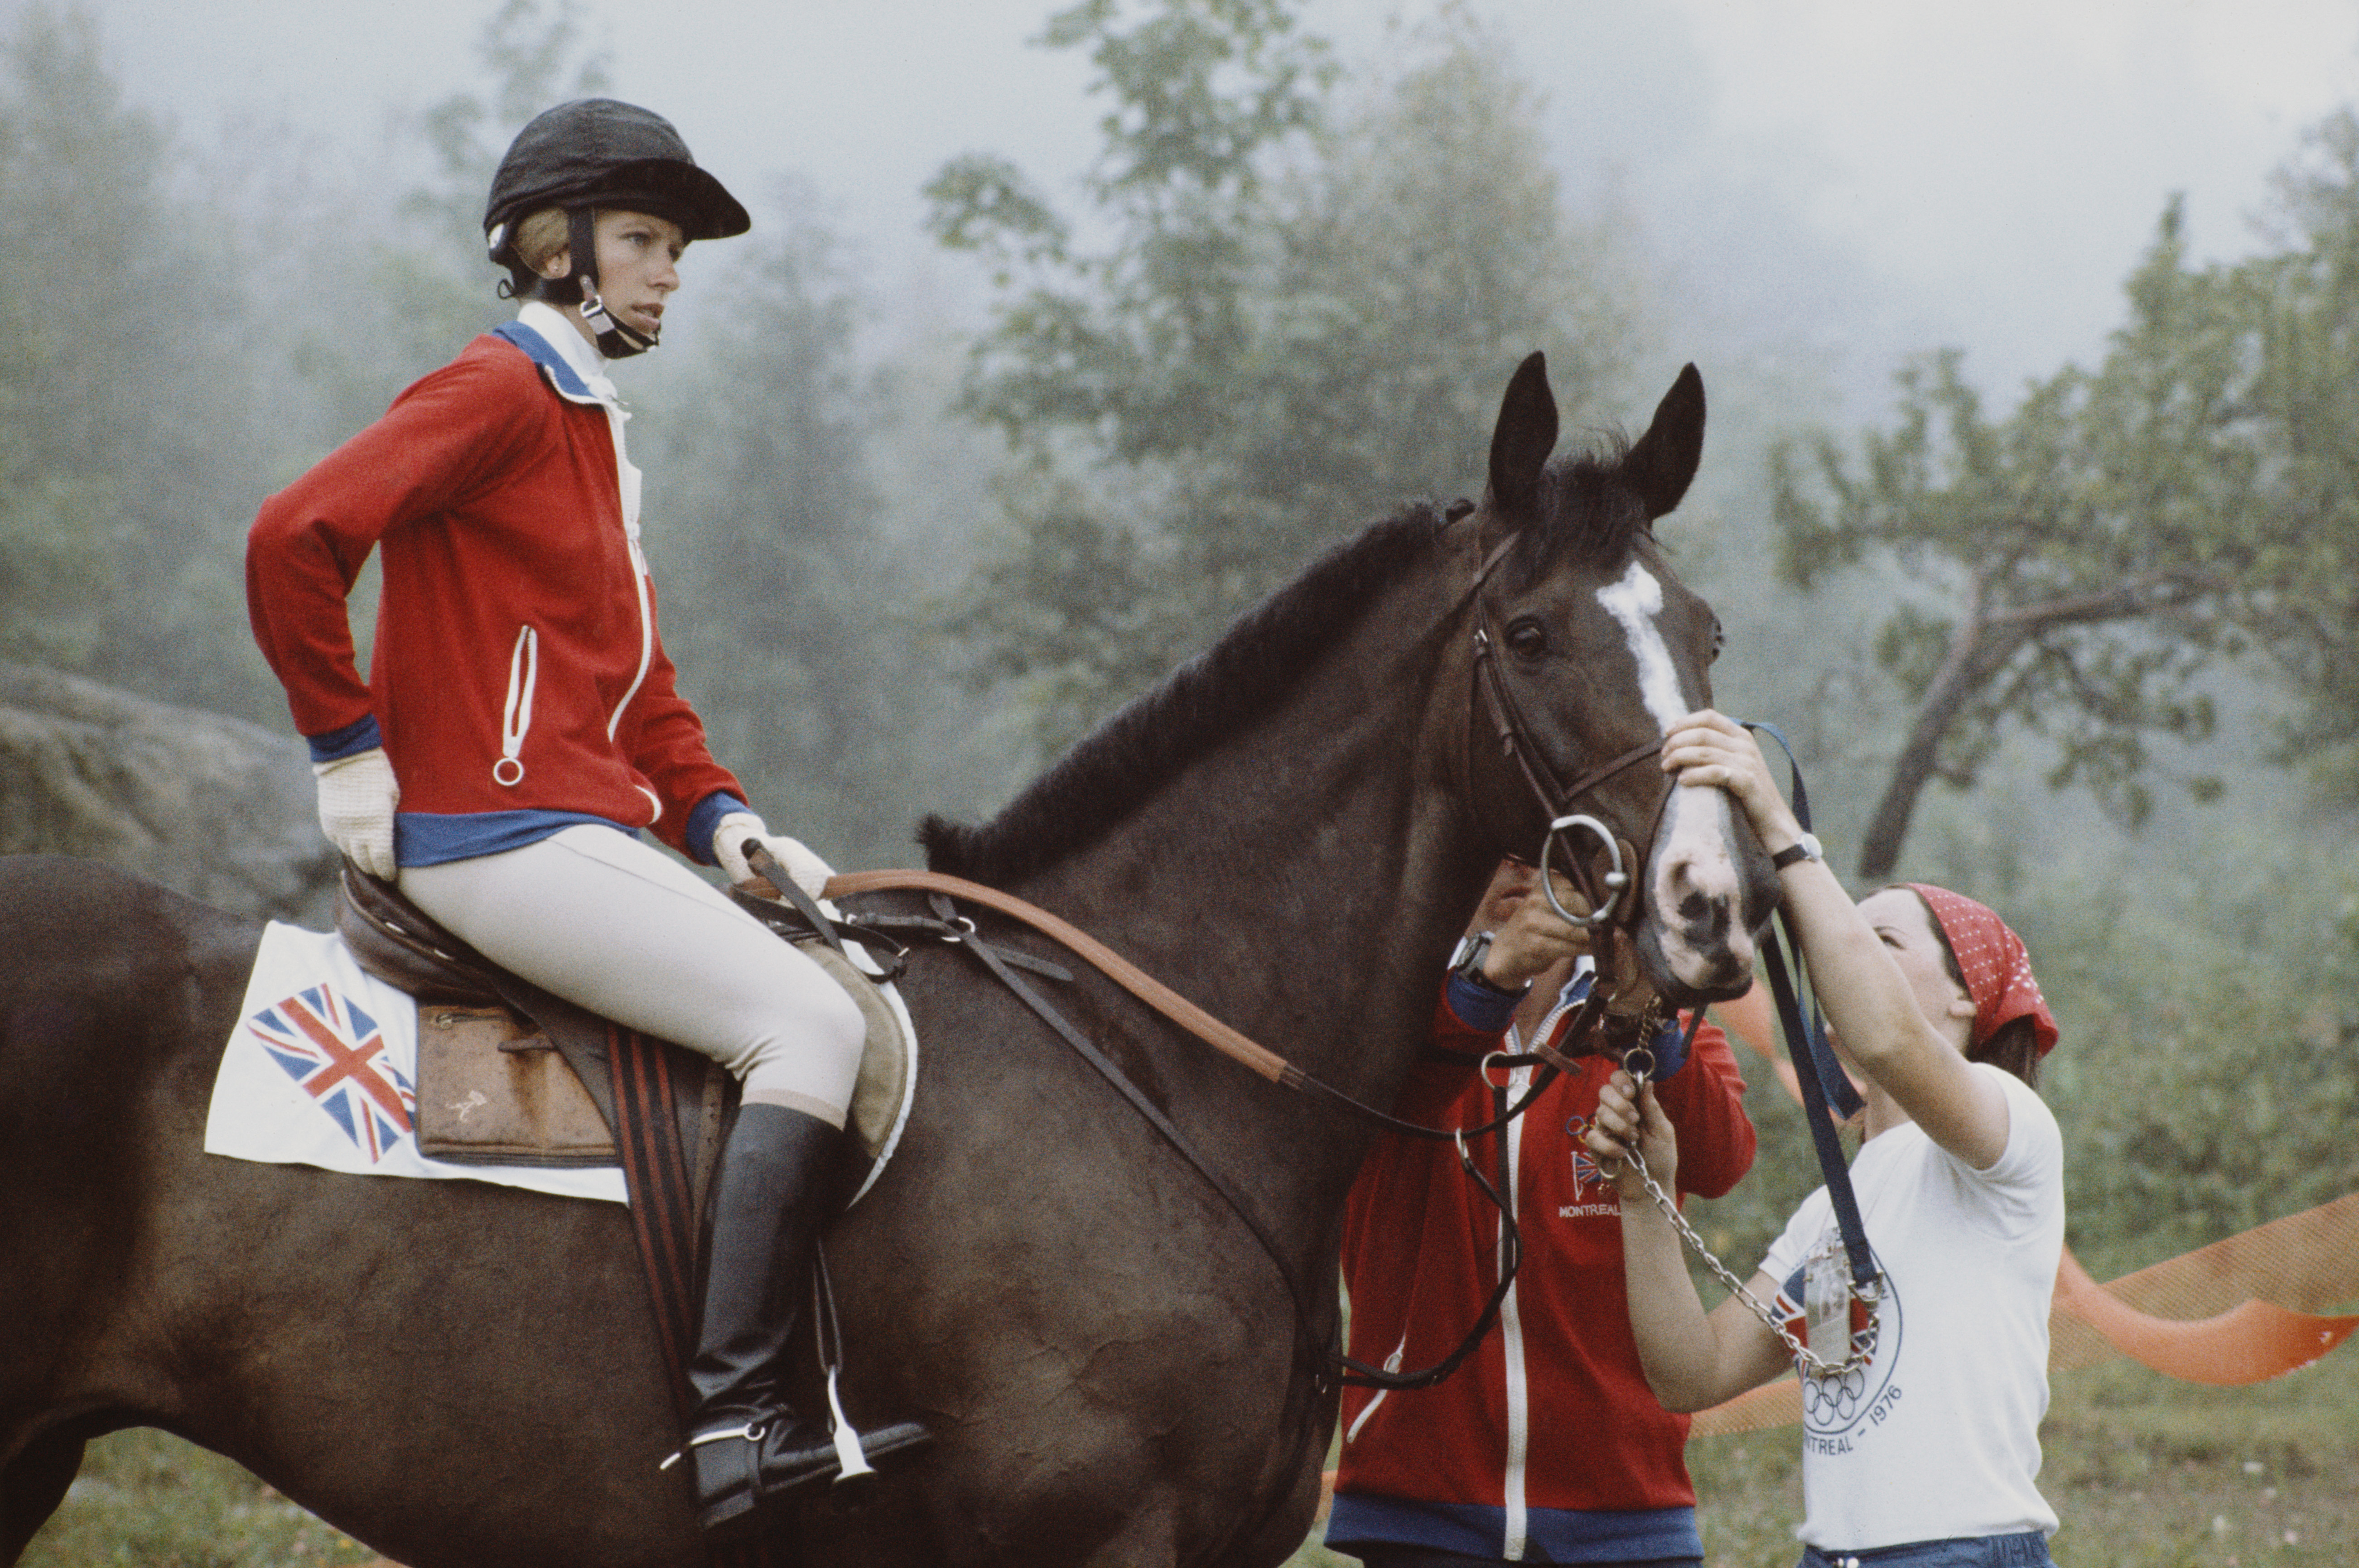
column 2074, row 571
column 56, row 494
column 2300, row 414
column 429, row 288
column 129, row 424
column 1304, row 312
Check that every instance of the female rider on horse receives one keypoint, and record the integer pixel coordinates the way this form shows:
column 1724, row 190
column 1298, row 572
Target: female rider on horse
column 520, row 726
column 1927, row 1452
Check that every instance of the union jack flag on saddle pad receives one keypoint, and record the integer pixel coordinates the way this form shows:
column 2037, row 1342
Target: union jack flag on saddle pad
column 335, row 1051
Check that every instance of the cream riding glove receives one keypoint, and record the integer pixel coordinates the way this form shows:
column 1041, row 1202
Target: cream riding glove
column 357, row 794
column 808, row 870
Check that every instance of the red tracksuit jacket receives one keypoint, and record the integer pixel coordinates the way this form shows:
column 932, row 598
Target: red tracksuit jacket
column 1552, row 1412
column 517, row 667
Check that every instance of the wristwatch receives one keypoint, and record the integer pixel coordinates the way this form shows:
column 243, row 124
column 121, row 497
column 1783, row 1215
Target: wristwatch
column 1806, row 848
column 1466, row 963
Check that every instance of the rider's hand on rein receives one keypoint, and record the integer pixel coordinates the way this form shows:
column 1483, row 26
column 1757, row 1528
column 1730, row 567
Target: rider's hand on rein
column 809, row 872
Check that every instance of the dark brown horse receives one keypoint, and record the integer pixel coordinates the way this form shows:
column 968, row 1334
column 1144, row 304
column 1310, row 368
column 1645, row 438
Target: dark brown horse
column 1290, row 831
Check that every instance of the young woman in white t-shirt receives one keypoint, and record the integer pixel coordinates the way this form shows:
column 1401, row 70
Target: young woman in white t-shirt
column 1926, row 1451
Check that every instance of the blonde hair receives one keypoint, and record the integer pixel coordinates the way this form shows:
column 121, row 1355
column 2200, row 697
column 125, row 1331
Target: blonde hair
column 541, row 235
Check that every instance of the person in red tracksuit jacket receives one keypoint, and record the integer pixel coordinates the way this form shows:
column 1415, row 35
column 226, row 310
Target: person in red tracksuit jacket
column 1546, row 1444
column 519, row 728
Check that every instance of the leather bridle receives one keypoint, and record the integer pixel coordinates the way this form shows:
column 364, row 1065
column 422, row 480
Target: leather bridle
column 1614, row 902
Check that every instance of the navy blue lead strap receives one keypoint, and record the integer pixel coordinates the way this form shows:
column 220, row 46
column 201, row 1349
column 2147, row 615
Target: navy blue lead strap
column 1822, row 1078
column 1831, row 1167
column 1835, row 1084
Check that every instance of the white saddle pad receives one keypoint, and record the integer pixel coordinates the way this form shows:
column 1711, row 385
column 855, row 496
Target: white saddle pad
column 321, row 1070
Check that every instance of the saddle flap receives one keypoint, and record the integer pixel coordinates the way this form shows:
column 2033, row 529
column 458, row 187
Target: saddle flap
column 398, row 943
column 492, row 1091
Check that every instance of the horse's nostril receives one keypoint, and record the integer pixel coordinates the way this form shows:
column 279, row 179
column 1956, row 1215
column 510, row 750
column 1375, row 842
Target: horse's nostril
column 1705, row 919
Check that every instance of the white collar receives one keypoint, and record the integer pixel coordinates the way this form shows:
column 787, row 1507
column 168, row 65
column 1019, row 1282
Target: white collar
column 554, row 327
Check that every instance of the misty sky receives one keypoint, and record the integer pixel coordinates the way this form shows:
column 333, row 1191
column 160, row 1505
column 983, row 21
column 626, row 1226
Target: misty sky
column 1870, row 175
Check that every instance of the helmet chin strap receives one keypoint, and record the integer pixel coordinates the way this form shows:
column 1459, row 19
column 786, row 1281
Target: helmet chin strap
column 616, row 340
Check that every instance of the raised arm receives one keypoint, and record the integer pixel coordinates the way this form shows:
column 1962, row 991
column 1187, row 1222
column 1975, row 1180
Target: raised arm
column 1908, row 1040
column 1692, row 1360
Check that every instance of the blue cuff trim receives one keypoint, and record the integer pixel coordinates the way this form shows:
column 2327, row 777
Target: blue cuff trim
column 1484, row 1008
column 704, row 818
column 361, row 735
column 1551, row 1535
column 431, row 839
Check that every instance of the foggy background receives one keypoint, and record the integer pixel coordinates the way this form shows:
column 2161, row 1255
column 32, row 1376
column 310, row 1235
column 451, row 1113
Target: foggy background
column 1869, row 178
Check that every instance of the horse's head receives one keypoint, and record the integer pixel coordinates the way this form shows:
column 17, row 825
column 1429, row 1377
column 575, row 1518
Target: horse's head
column 1593, row 648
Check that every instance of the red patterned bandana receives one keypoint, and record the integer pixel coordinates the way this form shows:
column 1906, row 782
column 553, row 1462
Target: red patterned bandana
column 1997, row 965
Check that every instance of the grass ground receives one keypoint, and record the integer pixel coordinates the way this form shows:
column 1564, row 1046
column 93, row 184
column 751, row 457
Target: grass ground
column 2146, row 1473
column 146, row 1501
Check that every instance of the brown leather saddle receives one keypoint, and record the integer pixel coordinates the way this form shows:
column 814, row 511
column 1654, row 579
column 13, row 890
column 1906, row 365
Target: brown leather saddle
column 508, row 1073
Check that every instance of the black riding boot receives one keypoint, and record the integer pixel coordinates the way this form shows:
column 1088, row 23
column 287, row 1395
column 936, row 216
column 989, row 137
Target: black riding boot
column 746, row 1442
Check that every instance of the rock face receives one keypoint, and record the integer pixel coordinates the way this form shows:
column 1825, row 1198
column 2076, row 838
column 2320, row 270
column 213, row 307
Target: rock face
column 209, row 806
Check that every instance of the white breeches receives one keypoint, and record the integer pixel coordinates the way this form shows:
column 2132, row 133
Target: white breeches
column 616, row 925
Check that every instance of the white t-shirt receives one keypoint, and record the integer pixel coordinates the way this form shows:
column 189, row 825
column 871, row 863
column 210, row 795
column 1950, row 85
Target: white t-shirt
column 1938, row 1435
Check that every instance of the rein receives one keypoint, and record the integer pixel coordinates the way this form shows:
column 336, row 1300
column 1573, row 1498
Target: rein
column 948, row 926
column 1229, row 1042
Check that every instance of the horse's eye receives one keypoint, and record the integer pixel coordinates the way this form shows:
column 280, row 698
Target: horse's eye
column 1528, row 638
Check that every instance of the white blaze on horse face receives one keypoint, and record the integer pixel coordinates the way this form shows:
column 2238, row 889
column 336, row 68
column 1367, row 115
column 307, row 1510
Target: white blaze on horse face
column 1634, row 601
column 1694, row 889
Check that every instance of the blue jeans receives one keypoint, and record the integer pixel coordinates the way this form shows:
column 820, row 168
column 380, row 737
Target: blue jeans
column 2028, row 1550
column 1427, row 1557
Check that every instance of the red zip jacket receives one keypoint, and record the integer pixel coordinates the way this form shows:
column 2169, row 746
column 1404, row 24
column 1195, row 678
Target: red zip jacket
column 517, row 668
column 1552, row 1412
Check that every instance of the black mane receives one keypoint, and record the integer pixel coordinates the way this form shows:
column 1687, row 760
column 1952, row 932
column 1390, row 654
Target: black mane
column 1585, row 517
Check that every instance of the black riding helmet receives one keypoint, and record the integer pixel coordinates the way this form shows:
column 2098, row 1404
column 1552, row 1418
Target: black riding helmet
column 592, row 153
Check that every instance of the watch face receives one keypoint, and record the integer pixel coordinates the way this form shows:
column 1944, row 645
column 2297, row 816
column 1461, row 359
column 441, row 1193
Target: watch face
column 1466, row 958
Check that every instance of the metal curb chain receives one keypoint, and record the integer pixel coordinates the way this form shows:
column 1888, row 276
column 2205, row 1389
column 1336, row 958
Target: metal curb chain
column 1813, row 1364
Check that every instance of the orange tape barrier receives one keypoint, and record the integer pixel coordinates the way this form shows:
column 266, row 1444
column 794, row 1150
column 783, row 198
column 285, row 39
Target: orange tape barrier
column 2240, row 1310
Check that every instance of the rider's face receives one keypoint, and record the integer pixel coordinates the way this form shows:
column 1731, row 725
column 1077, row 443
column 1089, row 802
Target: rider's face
column 638, row 257
column 636, row 270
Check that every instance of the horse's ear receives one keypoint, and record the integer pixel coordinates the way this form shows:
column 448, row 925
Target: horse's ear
column 1663, row 463
column 1524, row 439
